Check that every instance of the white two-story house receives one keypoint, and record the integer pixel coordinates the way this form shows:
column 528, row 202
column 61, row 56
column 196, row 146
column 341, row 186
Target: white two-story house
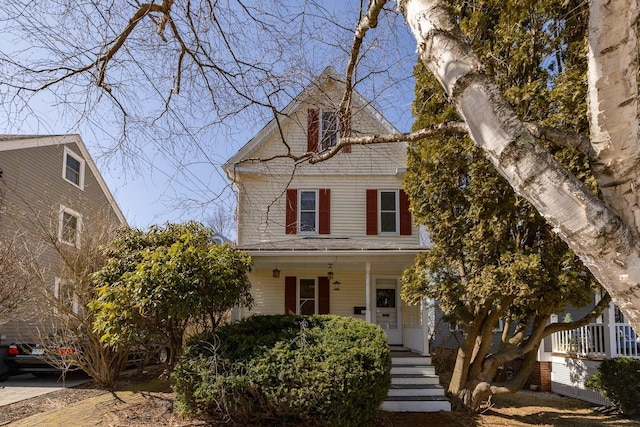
column 332, row 237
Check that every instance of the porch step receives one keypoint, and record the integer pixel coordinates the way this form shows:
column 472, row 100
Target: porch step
column 413, row 369
column 416, row 404
column 414, row 385
column 416, row 390
column 410, row 359
column 414, row 379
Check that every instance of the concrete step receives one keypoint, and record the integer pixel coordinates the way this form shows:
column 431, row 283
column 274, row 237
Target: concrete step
column 412, row 369
column 414, row 379
column 415, row 387
column 416, row 404
column 411, row 359
column 416, row 390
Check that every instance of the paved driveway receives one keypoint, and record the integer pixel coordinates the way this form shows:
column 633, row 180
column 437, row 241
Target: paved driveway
column 21, row 387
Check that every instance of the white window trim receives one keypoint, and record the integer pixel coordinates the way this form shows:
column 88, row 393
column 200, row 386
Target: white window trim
column 454, row 326
column 397, row 198
column 317, row 218
column 63, row 210
column 75, row 305
column 315, row 296
column 321, row 148
column 68, row 152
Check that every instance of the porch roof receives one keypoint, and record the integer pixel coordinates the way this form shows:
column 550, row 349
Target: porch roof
column 315, row 244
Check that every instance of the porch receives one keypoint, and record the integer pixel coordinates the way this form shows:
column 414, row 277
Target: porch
column 576, row 354
column 347, row 277
column 597, row 341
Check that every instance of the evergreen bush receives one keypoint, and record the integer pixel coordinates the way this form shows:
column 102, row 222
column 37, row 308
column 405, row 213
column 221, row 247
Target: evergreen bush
column 279, row 370
column 618, row 380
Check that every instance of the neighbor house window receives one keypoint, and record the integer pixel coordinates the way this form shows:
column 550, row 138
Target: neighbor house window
column 308, row 216
column 66, row 295
column 328, row 129
column 69, row 226
column 73, row 168
column 388, row 212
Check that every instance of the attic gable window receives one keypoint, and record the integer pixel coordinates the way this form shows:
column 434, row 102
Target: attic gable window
column 328, row 129
column 73, row 168
column 324, row 129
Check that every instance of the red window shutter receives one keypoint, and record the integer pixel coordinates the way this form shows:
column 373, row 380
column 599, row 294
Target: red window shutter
column 323, row 295
column 345, row 129
column 313, row 129
column 292, row 211
column 372, row 212
column 405, row 214
column 290, row 304
column 324, row 222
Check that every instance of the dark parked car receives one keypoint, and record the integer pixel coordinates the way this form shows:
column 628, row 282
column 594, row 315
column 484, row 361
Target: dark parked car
column 33, row 358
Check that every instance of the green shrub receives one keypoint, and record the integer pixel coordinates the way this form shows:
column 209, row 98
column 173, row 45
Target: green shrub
column 316, row 370
column 618, row 380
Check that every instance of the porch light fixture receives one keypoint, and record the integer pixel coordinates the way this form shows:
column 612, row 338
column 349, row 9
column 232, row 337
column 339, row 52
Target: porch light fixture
column 275, row 272
column 336, row 285
column 330, row 273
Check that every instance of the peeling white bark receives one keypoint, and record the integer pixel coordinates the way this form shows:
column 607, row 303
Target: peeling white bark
column 608, row 246
column 613, row 104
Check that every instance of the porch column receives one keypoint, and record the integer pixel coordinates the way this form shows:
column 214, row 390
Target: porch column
column 426, row 326
column 367, row 288
column 610, row 336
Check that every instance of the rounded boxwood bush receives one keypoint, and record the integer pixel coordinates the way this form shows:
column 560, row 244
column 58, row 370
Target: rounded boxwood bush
column 309, row 370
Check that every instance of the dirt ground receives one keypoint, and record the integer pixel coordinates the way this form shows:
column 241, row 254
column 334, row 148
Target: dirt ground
column 158, row 409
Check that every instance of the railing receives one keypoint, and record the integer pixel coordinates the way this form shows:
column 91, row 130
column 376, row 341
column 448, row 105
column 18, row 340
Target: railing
column 585, row 341
column 628, row 344
column 591, row 341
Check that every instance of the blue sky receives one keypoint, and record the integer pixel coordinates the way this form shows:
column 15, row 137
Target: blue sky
column 174, row 174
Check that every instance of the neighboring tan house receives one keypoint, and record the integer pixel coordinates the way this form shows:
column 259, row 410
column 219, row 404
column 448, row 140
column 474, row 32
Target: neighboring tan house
column 332, row 237
column 49, row 186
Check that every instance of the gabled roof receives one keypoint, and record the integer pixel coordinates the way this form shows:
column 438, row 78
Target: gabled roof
column 329, row 74
column 17, row 142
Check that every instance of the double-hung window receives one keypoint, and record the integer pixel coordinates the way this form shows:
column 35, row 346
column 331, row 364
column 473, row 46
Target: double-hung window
column 389, row 212
column 308, row 211
column 307, row 296
column 73, row 168
column 69, row 226
column 308, row 219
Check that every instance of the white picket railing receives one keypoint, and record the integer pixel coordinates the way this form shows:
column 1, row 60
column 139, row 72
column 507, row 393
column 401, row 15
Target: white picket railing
column 591, row 341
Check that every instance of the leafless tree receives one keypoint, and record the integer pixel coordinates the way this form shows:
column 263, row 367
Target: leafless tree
column 14, row 284
column 58, row 276
column 232, row 56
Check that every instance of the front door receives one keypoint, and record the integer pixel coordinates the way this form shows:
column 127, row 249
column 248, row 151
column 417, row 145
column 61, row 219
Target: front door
column 388, row 309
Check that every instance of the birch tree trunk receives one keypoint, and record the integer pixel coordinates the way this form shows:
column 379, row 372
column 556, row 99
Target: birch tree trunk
column 603, row 234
